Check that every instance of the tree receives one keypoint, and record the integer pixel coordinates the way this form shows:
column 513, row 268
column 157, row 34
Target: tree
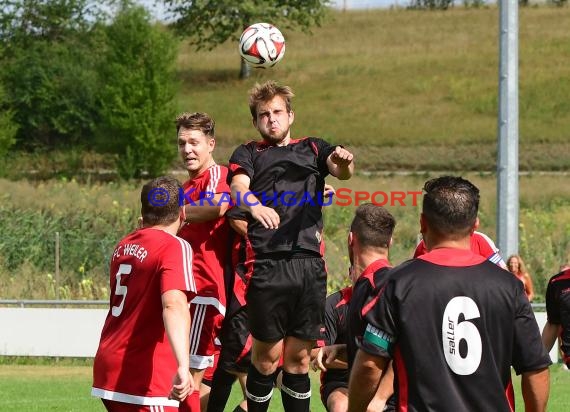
column 209, row 23
column 136, row 101
column 48, row 49
column 8, row 128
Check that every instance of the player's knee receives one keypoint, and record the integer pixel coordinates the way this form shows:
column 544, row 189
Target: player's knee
column 265, row 365
column 337, row 401
column 296, row 363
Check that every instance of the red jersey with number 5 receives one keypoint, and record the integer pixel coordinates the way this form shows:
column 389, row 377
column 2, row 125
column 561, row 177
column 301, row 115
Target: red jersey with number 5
column 134, row 362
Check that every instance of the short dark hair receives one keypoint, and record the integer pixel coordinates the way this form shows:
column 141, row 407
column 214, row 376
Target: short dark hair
column 267, row 91
column 450, row 205
column 373, row 225
column 160, row 201
column 196, row 121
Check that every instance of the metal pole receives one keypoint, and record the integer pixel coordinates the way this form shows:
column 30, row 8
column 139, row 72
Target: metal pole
column 508, row 130
column 57, row 265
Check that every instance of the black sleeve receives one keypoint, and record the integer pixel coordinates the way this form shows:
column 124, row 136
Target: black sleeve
column 381, row 328
column 529, row 353
column 241, row 161
column 324, row 149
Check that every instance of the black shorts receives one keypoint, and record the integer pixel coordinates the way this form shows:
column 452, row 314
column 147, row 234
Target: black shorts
column 235, row 355
column 286, row 297
column 328, row 387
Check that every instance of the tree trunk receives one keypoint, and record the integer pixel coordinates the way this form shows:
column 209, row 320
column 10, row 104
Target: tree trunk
column 245, row 70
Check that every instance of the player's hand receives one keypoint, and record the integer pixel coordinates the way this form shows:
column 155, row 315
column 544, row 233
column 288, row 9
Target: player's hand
column 327, row 354
column 328, row 191
column 266, row 216
column 341, row 157
column 314, row 362
column 182, row 384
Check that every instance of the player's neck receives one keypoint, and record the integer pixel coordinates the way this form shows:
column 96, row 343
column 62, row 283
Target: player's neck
column 171, row 228
column 367, row 257
column 442, row 243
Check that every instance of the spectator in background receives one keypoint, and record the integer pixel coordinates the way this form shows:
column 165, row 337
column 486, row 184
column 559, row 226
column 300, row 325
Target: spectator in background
column 517, row 267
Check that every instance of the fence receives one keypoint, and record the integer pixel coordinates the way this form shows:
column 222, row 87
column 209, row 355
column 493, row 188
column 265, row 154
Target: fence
column 73, row 328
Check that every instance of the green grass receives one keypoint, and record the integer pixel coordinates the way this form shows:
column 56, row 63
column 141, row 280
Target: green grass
column 32, row 388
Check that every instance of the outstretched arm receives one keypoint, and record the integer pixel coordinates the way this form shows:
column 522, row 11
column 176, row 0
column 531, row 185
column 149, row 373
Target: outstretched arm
column 340, row 163
column 246, row 200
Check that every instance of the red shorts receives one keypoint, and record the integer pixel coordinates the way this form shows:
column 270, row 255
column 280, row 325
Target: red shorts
column 207, row 315
column 114, row 406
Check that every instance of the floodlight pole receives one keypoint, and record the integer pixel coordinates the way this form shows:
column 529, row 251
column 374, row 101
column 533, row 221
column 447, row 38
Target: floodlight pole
column 508, row 130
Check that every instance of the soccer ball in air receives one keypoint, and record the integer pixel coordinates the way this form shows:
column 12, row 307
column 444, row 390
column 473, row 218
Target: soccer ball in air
column 262, row 45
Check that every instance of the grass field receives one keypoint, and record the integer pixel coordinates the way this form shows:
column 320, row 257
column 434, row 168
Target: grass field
column 35, row 388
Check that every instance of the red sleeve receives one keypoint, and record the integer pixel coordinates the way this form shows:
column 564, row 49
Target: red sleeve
column 218, row 180
column 176, row 267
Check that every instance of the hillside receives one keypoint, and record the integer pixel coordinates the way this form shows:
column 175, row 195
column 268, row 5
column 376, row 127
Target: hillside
column 405, row 89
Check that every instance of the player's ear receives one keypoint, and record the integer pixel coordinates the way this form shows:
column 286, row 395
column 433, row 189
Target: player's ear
column 350, row 239
column 476, row 225
column 211, row 145
column 291, row 117
column 182, row 215
column 390, row 242
column 423, row 225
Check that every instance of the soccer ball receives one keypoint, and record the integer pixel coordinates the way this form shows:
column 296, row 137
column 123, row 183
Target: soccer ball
column 262, row 45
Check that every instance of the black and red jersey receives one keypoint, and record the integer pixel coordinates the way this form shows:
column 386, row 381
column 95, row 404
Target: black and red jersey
column 335, row 330
column 454, row 323
column 364, row 290
column 290, row 179
column 558, row 307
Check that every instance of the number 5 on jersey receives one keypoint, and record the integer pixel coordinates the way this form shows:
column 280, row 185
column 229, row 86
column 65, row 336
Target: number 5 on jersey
column 452, row 332
column 121, row 290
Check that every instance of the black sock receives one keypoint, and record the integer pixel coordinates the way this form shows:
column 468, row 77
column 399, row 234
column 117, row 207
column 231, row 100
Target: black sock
column 221, row 388
column 296, row 392
column 259, row 390
column 239, row 409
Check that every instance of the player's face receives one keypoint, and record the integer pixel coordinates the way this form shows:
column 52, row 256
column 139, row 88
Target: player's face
column 273, row 121
column 195, row 149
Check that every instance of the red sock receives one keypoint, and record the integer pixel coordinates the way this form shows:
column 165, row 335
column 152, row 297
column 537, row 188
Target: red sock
column 191, row 403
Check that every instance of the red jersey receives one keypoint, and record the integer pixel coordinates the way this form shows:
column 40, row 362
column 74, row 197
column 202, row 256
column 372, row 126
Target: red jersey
column 210, row 240
column 481, row 245
column 134, row 362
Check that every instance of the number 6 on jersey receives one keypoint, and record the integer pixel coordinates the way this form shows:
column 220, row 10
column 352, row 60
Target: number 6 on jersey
column 452, row 332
